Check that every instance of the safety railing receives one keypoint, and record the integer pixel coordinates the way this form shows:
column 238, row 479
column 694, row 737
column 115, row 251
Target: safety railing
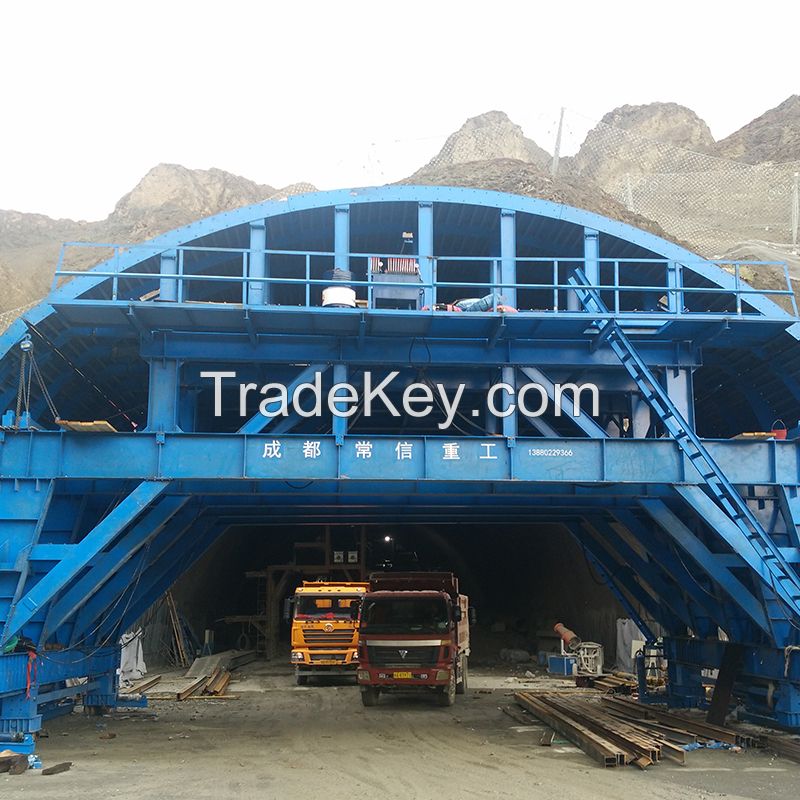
column 673, row 287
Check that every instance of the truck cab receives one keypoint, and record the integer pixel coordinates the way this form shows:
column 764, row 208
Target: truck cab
column 324, row 634
column 414, row 636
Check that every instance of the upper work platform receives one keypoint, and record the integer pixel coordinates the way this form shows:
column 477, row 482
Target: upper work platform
column 371, row 256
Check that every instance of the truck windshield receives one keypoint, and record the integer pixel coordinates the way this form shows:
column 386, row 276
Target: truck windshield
column 321, row 607
column 405, row 615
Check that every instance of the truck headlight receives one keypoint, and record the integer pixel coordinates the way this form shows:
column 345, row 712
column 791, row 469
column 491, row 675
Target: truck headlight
column 297, row 656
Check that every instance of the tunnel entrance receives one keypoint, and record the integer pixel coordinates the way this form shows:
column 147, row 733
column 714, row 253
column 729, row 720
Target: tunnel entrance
column 521, row 578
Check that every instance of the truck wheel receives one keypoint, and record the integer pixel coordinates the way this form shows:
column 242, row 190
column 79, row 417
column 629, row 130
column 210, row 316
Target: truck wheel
column 447, row 696
column 301, row 680
column 461, row 688
column 369, row 696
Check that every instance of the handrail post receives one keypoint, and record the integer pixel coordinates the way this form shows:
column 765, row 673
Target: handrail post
column 555, row 285
column 308, row 278
column 180, row 275
column 115, row 279
column 738, row 289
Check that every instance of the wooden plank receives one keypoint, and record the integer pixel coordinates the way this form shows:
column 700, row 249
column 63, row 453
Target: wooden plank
column 95, row 426
column 192, row 688
column 144, row 685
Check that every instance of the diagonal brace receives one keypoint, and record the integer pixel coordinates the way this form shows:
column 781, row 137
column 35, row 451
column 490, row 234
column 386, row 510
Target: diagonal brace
column 671, row 524
column 91, row 544
column 583, row 421
column 259, row 422
column 107, row 564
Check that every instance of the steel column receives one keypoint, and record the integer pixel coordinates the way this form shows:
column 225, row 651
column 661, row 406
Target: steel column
column 425, row 251
column 508, row 256
column 258, row 292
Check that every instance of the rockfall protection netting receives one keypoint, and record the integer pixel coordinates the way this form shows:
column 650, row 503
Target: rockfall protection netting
column 711, row 203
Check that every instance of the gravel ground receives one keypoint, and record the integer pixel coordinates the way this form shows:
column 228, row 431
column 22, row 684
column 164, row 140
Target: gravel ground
column 281, row 741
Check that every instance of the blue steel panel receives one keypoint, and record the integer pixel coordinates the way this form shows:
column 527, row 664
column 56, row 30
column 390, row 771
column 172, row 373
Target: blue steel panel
column 181, row 456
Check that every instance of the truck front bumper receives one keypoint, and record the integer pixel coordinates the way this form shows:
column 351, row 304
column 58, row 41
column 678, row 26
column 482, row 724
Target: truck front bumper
column 384, row 677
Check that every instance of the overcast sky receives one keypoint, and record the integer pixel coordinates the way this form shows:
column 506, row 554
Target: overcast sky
column 350, row 93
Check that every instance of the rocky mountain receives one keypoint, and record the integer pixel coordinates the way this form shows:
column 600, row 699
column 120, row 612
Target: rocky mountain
column 641, row 139
column 487, row 137
column 774, row 136
column 175, row 195
column 168, row 196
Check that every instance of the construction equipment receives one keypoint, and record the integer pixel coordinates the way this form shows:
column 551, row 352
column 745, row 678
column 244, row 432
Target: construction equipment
column 414, row 636
column 324, row 634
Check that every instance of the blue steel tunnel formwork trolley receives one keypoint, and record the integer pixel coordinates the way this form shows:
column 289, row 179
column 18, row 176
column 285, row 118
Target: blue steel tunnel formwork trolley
column 692, row 528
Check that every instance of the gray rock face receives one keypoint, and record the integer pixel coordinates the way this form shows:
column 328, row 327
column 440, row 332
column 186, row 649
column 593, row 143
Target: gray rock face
column 486, row 137
column 168, row 196
column 641, row 139
column 774, row 136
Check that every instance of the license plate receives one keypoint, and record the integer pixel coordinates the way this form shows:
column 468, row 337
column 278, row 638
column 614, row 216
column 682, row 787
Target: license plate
column 402, row 675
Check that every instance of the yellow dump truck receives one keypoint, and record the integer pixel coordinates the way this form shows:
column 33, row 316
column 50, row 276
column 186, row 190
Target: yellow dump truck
column 324, row 635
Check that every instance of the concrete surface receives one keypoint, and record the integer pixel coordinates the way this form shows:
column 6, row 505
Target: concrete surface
column 282, row 741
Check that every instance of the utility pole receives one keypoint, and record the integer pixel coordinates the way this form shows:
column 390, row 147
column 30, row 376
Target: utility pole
column 557, row 146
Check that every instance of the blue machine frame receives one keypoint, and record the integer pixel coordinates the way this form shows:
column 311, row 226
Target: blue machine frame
column 694, row 531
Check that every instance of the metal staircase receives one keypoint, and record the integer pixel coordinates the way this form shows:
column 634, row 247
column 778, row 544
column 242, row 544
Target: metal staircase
column 782, row 578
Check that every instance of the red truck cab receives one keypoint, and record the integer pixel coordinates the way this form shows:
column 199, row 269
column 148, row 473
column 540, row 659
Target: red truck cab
column 414, row 636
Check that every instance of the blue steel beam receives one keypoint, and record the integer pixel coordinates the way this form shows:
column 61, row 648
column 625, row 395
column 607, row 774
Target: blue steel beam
column 24, row 506
column 652, row 573
column 672, row 525
column 508, row 255
column 156, row 580
column 198, row 456
column 110, row 594
column 755, row 557
column 106, row 565
column 706, row 604
column 624, row 575
column 80, row 555
column 258, row 293
column 457, row 350
column 583, row 420
column 425, row 250
column 604, row 567
column 259, row 422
